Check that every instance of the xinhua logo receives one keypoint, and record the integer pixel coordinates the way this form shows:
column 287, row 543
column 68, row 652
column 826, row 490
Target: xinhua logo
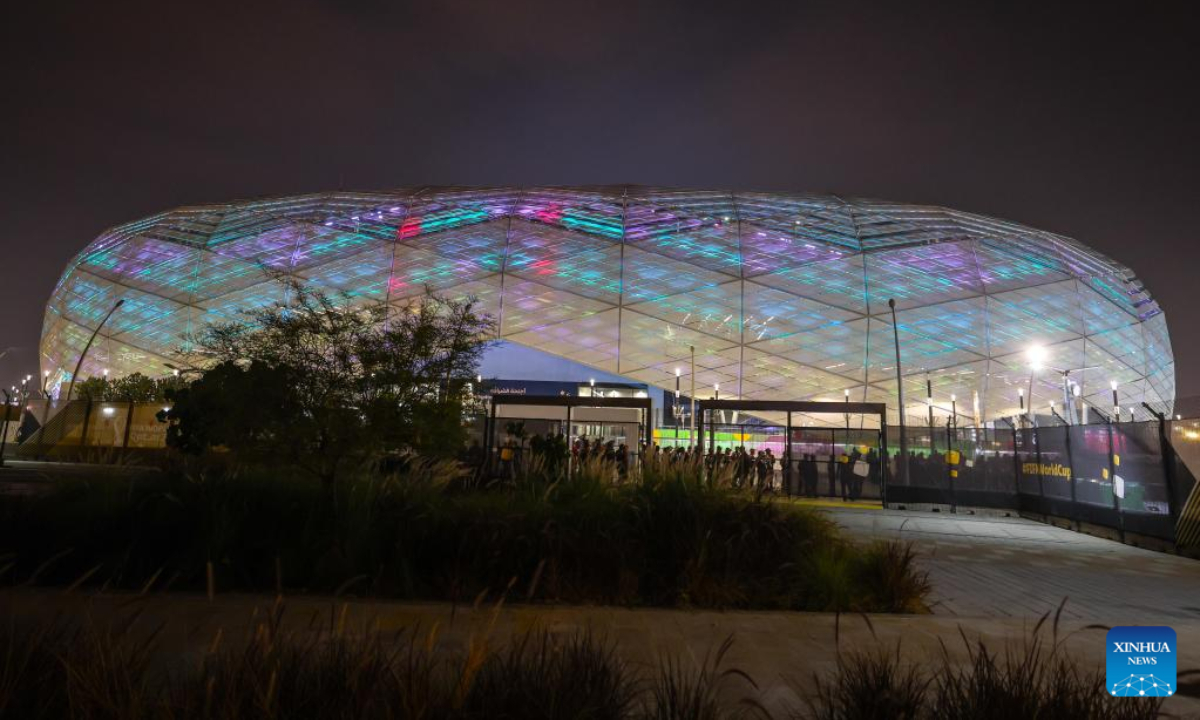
column 1141, row 661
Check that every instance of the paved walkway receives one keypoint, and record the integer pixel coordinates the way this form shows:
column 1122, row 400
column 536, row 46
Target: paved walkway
column 1011, row 567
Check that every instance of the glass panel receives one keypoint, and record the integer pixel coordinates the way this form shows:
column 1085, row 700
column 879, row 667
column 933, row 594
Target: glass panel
column 1089, row 464
column 1138, row 468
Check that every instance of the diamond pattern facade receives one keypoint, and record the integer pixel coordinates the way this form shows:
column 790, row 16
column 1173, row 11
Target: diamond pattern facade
column 784, row 296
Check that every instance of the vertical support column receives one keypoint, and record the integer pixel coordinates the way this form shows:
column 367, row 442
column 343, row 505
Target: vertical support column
column 491, row 440
column 1037, row 447
column 884, row 458
column 128, row 425
column 1112, row 478
column 952, row 468
column 787, row 454
column 570, row 443
column 649, row 428
column 1016, row 466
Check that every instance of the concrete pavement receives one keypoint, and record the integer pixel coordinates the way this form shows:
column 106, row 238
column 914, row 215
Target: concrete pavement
column 991, row 567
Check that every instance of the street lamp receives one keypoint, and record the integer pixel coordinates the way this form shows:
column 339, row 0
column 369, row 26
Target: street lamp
column 716, row 391
column 954, row 410
column 676, row 407
column 929, row 398
column 899, row 398
column 692, row 393
column 1116, row 402
column 45, row 397
column 4, row 426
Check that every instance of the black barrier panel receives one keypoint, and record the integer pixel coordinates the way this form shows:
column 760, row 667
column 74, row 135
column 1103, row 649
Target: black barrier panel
column 895, row 472
column 1029, row 479
column 1183, row 482
column 1090, row 465
column 1139, row 473
column 1069, row 472
column 927, row 464
column 999, row 464
column 863, row 465
column 1054, row 463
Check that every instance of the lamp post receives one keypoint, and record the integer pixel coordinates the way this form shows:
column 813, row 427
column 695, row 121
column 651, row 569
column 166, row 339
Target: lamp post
column 929, row 400
column 692, row 419
column 4, row 427
column 903, row 465
column 846, row 396
column 716, row 391
column 87, row 347
column 45, row 397
column 1116, row 402
column 1036, row 355
column 676, row 408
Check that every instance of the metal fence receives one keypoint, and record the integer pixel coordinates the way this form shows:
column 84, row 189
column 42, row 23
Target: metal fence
column 1124, row 476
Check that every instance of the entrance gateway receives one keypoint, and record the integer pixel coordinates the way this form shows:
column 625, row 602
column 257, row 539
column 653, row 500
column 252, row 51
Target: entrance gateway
column 831, row 445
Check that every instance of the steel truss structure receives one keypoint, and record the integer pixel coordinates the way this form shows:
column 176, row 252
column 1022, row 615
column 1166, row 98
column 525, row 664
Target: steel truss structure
column 783, row 296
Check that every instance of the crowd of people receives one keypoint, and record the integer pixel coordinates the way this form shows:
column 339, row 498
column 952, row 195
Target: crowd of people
column 987, row 471
column 837, row 472
column 842, row 474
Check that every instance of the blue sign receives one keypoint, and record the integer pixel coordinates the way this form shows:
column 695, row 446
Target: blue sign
column 1141, row 661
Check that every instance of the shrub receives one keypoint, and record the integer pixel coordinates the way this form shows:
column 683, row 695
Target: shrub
column 666, row 537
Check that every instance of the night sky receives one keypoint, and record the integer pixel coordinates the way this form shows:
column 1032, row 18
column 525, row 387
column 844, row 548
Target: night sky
column 1069, row 120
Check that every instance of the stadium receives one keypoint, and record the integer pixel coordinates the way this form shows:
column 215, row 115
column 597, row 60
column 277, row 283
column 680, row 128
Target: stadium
column 782, row 296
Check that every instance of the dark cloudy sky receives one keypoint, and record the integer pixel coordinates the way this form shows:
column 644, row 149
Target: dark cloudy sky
column 1068, row 119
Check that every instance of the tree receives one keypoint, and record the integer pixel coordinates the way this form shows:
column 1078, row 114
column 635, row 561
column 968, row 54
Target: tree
column 136, row 387
column 324, row 385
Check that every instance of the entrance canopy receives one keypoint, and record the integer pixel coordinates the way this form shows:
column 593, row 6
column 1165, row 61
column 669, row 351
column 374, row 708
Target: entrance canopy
column 562, row 407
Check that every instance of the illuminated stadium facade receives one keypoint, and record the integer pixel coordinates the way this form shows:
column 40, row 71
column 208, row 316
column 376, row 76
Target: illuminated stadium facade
column 783, row 296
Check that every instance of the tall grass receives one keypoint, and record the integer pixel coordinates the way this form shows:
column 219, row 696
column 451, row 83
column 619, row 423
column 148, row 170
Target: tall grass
column 1036, row 678
column 60, row 670
column 665, row 536
column 119, row 671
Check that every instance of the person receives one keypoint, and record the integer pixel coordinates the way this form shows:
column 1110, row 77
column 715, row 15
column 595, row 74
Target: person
column 855, row 480
column 776, row 471
column 764, row 467
column 844, row 477
column 508, row 455
column 811, row 479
